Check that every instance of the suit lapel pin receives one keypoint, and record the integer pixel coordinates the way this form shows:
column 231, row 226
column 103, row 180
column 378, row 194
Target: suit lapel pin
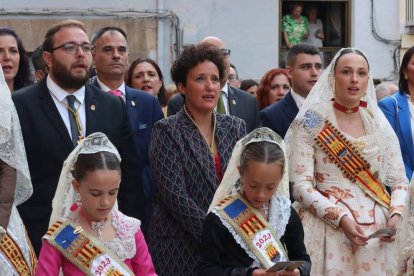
column 93, row 107
column 233, row 102
column 133, row 103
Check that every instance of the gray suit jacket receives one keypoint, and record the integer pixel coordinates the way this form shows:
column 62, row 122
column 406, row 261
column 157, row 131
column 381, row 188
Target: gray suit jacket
column 186, row 180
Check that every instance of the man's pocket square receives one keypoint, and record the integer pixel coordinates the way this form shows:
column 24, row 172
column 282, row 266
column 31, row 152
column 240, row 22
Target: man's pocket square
column 142, row 126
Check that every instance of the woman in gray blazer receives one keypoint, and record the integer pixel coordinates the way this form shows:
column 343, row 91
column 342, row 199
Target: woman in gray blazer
column 189, row 153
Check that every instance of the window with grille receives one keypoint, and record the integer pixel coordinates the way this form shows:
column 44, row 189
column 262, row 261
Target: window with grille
column 409, row 12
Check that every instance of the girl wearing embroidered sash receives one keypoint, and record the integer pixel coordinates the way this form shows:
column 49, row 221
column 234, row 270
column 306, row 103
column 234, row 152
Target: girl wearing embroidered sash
column 16, row 253
column 342, row 156
column 251, row 225
column 89, row 236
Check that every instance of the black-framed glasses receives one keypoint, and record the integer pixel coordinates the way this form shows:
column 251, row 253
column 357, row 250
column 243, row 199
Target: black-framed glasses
column 226, row 52
column 233, row 77
column 72, row 47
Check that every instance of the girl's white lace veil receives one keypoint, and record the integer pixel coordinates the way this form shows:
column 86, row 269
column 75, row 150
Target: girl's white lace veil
column 65, row 195
column 12, row 150
column 279, row 210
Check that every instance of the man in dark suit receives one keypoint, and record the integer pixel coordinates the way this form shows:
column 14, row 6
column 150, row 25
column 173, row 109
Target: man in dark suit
column 305, row 66
column 51, row 130
column 237, row 102
column 110, row 56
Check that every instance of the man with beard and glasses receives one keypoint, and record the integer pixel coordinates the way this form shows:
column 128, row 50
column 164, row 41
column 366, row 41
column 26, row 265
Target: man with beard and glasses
column 56, row 113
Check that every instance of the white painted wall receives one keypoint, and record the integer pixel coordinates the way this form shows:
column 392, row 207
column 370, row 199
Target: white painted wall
column 387, row 24
column 249, row 28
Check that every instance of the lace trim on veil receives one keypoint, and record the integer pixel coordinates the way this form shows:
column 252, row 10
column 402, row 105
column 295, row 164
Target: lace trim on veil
column 65, row 195
column 236, row 237
column 12, row 150
column 279, row 214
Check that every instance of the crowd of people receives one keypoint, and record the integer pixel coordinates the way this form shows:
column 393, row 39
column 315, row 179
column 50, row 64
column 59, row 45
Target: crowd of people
column 304, row 173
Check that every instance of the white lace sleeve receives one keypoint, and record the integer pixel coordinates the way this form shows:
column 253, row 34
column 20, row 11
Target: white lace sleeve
column 302, row 169
column 394, row 174
column 404, row 243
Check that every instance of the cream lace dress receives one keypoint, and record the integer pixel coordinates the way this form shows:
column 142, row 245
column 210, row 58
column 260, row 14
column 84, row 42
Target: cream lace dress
column 324, row 195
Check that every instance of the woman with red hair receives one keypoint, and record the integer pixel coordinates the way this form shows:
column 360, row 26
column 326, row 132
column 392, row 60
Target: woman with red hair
column 275, row 84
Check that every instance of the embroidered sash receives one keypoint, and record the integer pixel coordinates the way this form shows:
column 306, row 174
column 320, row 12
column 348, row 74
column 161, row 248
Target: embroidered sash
column 254, row 230
column 11, row 252
column 84, row 251
column 354, row 167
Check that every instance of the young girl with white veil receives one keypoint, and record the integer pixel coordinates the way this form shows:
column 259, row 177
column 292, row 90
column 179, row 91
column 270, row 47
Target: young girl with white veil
column 88, row 235
column 251, row 225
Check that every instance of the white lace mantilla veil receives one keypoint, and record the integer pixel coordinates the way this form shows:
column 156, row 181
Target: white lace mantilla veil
column 65, row 195
column 279, row 209
column 404, row 242
column 322, row 94
column 12, row 150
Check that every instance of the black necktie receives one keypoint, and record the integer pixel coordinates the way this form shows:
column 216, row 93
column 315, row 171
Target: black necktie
column 73, row 126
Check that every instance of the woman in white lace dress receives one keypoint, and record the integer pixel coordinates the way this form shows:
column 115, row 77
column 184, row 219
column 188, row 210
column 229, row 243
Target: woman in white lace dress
column 342, row 156
column 89, row 235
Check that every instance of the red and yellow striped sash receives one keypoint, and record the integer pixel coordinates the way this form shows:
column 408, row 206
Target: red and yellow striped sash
column 86, row 253
column 351, row 163
column 253, row 229
column 13, row 253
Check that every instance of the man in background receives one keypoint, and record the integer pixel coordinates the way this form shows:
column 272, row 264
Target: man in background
column 383, row 90
column 305, row 66
column 233, row 78
column 39, row 64
column 110, row 57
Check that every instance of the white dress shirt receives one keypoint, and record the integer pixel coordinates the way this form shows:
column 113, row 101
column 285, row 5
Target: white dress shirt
column 225, row 89
column 107, row 89
column 59, row 98
column 299, row 100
